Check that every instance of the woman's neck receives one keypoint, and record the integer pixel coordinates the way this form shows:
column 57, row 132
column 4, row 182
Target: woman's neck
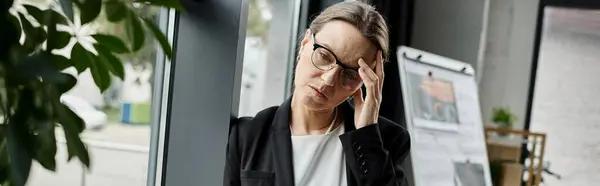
column 304, row 121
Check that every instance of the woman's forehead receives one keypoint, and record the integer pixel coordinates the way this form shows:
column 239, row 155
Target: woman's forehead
column 346, row 42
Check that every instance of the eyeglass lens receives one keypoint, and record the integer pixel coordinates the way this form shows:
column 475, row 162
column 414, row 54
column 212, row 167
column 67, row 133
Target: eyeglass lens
column 325, row 60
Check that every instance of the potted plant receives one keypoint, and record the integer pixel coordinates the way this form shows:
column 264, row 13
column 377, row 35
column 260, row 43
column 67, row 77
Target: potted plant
column 32, row 78
column 503, row 118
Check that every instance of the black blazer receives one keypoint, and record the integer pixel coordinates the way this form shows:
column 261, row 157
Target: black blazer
column 259, row 150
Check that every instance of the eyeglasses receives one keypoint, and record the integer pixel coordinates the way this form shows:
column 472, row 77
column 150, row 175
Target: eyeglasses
column 323, row 59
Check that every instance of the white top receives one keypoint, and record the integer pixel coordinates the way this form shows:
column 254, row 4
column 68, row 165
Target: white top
column 319, row 159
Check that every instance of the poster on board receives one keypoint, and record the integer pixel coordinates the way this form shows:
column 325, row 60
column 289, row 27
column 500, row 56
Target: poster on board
column 443, row 117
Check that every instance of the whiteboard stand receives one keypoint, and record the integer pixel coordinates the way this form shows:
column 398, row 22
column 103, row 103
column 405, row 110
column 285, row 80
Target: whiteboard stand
column 443, row 117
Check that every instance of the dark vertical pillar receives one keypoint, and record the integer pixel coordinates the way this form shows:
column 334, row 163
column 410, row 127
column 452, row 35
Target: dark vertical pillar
column 204, row 90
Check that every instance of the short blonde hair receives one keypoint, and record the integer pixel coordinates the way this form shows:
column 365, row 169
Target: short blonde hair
column 361, row 15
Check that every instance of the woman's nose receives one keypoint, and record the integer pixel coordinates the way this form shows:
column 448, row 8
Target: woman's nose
column 329, row 77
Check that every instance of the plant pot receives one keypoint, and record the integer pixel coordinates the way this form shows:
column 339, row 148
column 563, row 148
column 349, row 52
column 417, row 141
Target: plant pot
column 504, row 126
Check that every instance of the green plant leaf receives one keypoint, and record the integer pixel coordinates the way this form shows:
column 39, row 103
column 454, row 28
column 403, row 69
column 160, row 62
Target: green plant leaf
column 160, row 36
column 61, row 39
column 75, row 147
column 73, row 125
column 68, row 119
column 34, row 36
column 68, row 83
column 61, row 62
column 503, row 117
column 11, row 32
column 67, row 7
column 113, row 63
column 31, row 34
column 41, row 35
column 81, row 58
column 35, row 12
column 46, row 152
column 20, row 157
column 111, row 42
column 19, row 140
column 135, row 31
column 115, row 10
column 166, row 3
column 37, row 66
column 4, row 157
column 89, row 10
column 58, row 18
column 100, row 74
column 17, row 29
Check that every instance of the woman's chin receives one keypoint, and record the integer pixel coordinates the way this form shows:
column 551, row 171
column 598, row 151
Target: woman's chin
column 314, row 102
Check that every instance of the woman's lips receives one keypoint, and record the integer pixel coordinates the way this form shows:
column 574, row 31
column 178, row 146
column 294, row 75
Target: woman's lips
column 318, row 93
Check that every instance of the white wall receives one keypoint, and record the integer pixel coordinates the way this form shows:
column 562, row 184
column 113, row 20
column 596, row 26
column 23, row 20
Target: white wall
column 508, row 57
column 495, row 36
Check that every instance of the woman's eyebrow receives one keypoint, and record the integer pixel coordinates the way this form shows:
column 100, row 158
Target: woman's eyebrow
column 327, row 47
column 352, row 64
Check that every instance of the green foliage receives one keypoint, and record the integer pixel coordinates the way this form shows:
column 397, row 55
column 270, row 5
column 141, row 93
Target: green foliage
column 503, row 117
column 119, row 29
column 32, row 81
column 257, row 26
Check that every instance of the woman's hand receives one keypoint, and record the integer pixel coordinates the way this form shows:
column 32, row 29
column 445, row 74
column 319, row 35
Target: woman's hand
column 366, row 111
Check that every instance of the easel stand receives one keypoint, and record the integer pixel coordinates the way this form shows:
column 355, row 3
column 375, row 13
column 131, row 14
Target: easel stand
column 442, row 114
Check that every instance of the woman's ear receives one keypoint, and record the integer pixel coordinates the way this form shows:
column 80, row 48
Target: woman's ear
column 306, row 38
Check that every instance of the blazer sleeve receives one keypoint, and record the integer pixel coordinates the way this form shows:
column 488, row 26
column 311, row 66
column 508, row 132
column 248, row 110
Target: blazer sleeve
column 370, row 162
column 231, row 176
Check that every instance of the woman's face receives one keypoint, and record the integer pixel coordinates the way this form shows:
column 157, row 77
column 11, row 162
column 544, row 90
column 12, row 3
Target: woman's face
column 325, row 88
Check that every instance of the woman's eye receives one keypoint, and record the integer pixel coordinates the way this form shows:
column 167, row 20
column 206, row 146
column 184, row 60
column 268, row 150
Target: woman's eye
column 349, row 76
column 324, row 56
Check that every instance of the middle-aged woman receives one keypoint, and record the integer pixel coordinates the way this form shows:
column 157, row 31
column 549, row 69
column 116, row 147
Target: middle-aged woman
column 316, row 137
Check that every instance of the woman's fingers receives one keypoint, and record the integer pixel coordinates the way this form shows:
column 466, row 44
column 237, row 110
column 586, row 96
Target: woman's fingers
column 368, row 76
column 358, row 98
column 367, row 110
column 370, row 79
column 379, row 68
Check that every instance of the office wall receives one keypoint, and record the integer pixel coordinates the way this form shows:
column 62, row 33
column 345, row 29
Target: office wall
column 495, row 36
column 508, row 57
column 451, row 28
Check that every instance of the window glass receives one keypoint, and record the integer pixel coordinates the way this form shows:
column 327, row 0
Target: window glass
column 118, row 121
column 566, row 105
column 270, row 38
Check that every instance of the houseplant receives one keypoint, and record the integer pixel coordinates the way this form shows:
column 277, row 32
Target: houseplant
column 503, row 117
column 32, row 80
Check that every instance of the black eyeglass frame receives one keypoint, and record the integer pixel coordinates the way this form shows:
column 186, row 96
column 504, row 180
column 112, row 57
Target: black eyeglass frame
column 337, row 61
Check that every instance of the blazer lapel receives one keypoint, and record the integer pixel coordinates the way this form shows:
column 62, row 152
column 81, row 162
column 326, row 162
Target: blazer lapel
column 348, row 111
column 282, row 145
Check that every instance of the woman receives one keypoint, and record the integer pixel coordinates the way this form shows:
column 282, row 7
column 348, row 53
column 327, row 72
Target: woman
column 316, row 138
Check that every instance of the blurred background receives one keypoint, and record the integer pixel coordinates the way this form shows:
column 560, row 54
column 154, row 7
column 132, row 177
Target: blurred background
column 119, row 119
column 539, row 59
